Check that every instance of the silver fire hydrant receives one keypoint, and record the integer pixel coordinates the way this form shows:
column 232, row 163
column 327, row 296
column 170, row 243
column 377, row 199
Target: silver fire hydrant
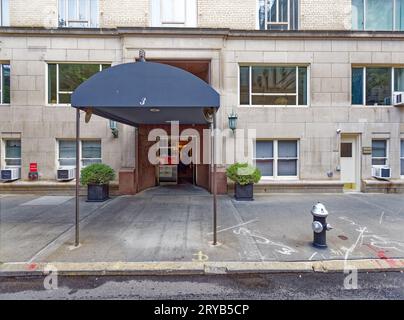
column 320, row 225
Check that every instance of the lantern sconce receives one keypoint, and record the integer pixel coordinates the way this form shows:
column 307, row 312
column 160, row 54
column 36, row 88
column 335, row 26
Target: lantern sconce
column 233, row 121
column 114, row 128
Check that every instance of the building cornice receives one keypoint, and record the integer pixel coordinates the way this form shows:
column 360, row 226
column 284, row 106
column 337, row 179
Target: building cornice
column 205, row 32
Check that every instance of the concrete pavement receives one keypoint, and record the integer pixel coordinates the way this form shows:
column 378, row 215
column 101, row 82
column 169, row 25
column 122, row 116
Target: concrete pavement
column 174, row 224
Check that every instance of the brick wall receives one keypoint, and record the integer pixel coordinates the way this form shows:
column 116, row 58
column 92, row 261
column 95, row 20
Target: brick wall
column 325, row 14
column 124, row 13
column 34, row 13
column 236, row 14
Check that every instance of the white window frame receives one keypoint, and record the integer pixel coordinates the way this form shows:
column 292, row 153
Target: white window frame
column 191, row 15
column 364, row 17
column 5, row 153
column 58, row 92
column 80, row 152
column 1, row 83
column 251, row 94
column 276, row 158
column 4, row 14
column 364, row 68
column 381, row 158
column 288, row 23
column 77, row 20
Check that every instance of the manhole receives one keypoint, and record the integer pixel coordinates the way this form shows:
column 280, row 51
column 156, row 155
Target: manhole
column 342, row 237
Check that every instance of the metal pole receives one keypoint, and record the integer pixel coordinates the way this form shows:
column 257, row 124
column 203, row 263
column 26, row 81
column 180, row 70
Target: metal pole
column 214, row 180
column 77, row 241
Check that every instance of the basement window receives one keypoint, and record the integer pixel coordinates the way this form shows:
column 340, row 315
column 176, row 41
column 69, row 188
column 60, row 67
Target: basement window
column 277, row 158
column 78, row 13
column 12, row 153
column 402, row 158
column 90, row 152
column 379, row 152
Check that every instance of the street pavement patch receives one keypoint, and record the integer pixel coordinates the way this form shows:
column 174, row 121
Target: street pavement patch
column 48, row 201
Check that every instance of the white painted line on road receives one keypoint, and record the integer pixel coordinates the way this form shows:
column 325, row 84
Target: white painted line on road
column 312, row 256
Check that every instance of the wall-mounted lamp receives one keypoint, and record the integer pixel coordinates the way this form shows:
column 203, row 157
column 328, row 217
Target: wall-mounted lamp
column 114, row 128
column 233, row 120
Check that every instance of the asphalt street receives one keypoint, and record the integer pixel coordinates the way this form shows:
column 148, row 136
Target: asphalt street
column 313, row 286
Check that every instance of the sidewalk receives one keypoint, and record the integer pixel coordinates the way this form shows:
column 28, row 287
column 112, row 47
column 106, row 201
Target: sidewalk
column 172, row 227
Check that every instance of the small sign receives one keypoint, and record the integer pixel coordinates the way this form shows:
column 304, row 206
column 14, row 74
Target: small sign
column 33, row 167
column 366, row 150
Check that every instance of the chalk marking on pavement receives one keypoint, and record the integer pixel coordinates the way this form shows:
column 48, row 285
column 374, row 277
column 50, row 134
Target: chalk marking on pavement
column 236, row 226
column 381, row 218
column 312, row 256
column 286, row 250
column 353, row 247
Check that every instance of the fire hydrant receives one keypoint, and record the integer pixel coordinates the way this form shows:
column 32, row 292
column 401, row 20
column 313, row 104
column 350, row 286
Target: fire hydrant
column 320, row 225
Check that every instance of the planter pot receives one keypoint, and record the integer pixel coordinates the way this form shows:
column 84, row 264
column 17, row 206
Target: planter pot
column 244, row 193
column 97, row 192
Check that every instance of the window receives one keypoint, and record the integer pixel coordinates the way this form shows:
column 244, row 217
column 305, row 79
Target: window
column 64, row 78
column 273, row 85
column 174, row 13
column 346, row 150
column 379, row 153
column 78, row 13
column 4, row 83
column 385, row 15
column 67, row 153
column 373, row 86
column 13, row 153
column 278, row 14
column 90, row 152
column 277, row 158
column 402, row 158
column 4, row 13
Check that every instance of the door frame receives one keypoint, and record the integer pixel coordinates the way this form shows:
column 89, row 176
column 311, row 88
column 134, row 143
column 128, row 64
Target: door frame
column 356, row 151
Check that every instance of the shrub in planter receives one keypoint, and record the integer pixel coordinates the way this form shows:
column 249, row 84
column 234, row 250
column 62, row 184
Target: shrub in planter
column 97, row 177
column 244, row 176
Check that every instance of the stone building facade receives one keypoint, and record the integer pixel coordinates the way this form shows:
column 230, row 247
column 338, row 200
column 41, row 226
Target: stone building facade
column 315, row 135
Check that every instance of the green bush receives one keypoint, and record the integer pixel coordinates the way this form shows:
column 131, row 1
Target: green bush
column 243, row 173
column 97, row 173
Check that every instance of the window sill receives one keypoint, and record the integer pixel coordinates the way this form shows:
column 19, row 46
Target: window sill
column 265, row 179
column 272, row 106
column 366, row 106
column 58, row 105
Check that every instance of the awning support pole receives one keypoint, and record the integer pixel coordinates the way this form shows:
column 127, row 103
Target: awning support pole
column 77, row 241
column 214, row 180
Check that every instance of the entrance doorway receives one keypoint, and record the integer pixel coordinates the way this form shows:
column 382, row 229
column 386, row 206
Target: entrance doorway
column 173, row 170
column 349, row 159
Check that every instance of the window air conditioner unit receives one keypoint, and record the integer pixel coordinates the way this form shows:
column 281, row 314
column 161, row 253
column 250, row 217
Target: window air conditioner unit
column 10, row 174
column 398, row 99
column 66, row 173
column 381, row 172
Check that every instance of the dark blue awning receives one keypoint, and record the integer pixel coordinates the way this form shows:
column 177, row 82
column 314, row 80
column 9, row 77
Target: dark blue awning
column 146, row 93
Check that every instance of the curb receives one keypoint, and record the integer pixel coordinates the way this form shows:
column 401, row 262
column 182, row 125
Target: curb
column 197, row 268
